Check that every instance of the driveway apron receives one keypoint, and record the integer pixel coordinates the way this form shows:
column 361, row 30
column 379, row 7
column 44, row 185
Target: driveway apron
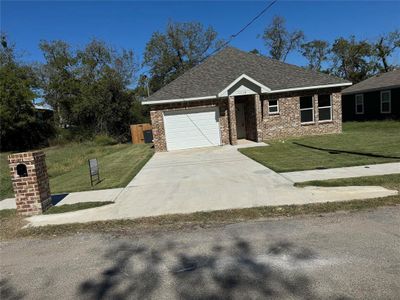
column 203, row 180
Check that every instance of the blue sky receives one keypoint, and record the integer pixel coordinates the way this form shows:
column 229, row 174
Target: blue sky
column 129, row 24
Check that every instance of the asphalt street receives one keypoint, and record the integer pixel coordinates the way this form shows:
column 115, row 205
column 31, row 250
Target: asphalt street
column 336, row 256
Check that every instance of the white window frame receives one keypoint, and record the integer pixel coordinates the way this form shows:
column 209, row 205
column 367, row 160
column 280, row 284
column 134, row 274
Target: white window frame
column 331, row 110
column 362, row 103
column 312, row 109
column 389, row 101
column 277, row 107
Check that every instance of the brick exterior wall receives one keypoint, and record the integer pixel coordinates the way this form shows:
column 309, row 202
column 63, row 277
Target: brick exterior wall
column 157, row 121
column 288, row 124
column 32, row 192
column 232, row 120
column 258, row 112
column 259, row 124
column 157, row 124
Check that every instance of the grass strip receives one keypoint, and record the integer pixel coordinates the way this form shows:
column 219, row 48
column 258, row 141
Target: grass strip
column 74, row 207
column 391, row 181
column 10, row 226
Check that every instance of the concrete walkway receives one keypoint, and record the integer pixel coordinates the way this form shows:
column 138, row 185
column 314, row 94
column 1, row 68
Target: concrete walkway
column 71, row 198
column 207, row 179
column 348, row 172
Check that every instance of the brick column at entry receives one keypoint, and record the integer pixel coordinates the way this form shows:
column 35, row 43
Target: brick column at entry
column 232, row 120
column 259, row 117
column 30, row 182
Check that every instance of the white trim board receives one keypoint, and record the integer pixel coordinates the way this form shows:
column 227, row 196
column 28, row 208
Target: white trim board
column 224, row 92
column 311, row 87
column 179, row 100
column 244, row 76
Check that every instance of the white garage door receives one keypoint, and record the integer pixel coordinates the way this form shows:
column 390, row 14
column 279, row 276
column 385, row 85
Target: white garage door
column 192, row 128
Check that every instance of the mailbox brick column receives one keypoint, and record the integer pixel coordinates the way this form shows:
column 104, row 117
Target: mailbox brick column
column 30, row 182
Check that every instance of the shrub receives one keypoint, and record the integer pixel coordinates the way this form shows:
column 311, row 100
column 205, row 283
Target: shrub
column 71, row 134
column 104, row 140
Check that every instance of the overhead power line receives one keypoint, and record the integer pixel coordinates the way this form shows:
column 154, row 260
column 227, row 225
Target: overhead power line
column 243, row 29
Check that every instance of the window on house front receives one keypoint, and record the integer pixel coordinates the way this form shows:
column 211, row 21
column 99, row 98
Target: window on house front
column 359, row 104
column 325, row 107
column 306, row 109
column 273, row 107
column 386, row 102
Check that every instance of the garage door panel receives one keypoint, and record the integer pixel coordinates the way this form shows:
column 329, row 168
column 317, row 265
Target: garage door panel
column 192, row 128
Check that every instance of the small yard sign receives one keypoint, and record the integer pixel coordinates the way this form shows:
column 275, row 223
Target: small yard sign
column 94, row 171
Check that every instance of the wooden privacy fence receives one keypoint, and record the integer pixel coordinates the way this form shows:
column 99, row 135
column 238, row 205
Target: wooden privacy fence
column 141, row 133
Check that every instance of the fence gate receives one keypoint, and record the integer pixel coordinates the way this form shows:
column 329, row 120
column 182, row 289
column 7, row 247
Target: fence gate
column 141, row 133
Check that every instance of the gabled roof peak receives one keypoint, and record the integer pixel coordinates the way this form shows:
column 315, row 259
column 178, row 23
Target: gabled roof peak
column 216, row 73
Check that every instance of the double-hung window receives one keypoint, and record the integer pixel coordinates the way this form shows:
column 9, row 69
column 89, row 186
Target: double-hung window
column 359, row 104
column 273, row 107
column 386, row 105
column 325, row 107
column 306, row 109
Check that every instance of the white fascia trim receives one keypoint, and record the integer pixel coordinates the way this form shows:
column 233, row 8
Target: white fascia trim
column 311, row 87
column 178, row 100
column 224, row 92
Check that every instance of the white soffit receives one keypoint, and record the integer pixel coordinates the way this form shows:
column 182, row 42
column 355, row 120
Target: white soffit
column 224, row 92
column 243, row 90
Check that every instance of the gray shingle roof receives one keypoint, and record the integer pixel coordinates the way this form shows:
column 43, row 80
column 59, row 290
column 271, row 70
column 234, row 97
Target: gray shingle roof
column 218, row 71
column 378, row 82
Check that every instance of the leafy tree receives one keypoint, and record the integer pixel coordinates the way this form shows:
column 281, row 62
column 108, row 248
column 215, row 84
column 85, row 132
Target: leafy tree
column 316, row 53
column 20, row 126
column 88, row 87
column 182, row 46
column 255, row 51
column 384, row 48
column 140, row 113
column 279, row 41
column 351, row 59
column 59, row 80
column 104, row 74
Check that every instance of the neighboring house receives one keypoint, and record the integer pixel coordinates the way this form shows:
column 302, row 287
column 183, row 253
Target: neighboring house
column 44, row 112
column 373, row 99
column 239, row 95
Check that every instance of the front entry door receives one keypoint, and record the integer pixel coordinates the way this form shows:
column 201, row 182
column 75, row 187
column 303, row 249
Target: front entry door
column 240, row 121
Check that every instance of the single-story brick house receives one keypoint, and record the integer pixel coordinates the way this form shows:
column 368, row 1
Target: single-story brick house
column 375, row 98
column 239, row 95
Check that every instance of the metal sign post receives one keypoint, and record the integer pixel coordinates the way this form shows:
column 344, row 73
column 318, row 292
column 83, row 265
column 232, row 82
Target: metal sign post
column 94, row 171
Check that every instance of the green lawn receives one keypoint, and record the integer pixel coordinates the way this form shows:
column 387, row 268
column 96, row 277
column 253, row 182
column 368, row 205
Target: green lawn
column 391, row 181
column 373, row 142
column 68, row 167
column 74, row 207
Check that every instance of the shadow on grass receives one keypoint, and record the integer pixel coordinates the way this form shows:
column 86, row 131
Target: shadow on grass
column 233, row 271
column 336, row 151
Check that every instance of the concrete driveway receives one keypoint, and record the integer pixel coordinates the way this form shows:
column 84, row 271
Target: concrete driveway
column 206, row 179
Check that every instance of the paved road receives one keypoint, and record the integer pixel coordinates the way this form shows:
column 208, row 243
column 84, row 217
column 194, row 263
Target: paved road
column 336, row 256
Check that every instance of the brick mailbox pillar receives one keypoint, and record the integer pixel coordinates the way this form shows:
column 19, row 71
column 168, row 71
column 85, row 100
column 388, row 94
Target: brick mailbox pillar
column 30, row 182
